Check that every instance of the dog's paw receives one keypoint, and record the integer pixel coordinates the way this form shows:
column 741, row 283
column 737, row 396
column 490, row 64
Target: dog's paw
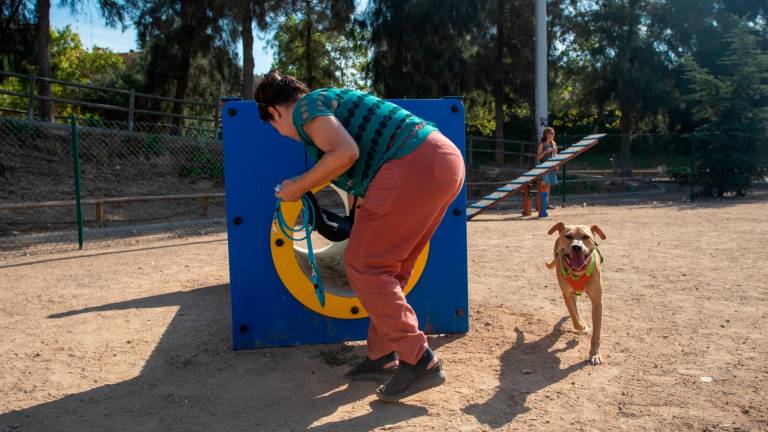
column 595, row 360
column 583, row 330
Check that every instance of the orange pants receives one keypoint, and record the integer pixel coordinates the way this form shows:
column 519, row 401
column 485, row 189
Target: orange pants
column 403, row 207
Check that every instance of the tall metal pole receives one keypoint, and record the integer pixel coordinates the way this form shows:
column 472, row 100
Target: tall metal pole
column 542, row 109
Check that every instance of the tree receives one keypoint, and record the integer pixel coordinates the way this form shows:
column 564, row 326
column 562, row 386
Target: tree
column 178, row 32
column 503, row 59
column 336, row 59
column 481, row 49
column 615, row 55
column 43, row 10
column 421, row 48
column 17, row 36
column 70, row 61
column 246, row 22
column 313, row 40
column 732, row 106
column 17, row 11
column 696, row 29
column 242, row 14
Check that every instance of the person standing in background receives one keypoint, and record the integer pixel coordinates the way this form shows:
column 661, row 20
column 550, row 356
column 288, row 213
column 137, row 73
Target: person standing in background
column 547, row 148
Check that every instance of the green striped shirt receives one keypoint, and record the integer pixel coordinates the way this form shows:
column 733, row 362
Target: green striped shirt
column 382, row 130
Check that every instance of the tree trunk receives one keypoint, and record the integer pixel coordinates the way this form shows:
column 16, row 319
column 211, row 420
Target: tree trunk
column 182, row 84
column 625, row 151
column 247, row 29
column 44, row 57
column 187, row 31
column 498, row 88
column 308, row 42
column 499, row 108
column 626, row 89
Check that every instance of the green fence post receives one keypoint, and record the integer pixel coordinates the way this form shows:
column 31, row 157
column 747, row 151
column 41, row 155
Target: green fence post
column 562, row 189
column 76, row 168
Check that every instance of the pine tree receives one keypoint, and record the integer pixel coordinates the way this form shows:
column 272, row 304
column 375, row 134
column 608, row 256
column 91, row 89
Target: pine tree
column 619, row 63
column 420, row 47
column 732, row 108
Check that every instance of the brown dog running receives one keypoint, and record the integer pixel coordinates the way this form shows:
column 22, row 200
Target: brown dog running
column 577, row 263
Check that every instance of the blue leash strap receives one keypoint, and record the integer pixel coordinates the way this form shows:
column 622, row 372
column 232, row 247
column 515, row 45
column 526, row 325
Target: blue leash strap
column 308, row 215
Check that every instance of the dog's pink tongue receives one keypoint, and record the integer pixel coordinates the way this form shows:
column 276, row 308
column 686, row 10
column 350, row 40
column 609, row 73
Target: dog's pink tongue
column 577, row 261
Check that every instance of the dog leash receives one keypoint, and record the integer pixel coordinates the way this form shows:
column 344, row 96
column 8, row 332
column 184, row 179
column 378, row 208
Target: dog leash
column 308, row 216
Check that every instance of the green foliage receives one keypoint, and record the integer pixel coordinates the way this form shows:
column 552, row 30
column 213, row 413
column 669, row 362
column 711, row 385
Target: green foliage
column 91, row 120
column 70, row 61
column 615, row 65
column 420, row 49
column 479, row 114
column 16, row 85
column 191, row 47
column 612, row 62
column 338, row 59
column 502, row 50
column 21, row 130
column 205, row 162
column 153, row 146
column 728, row 162
column 315, row 42
column 731, row 107
column 17, row 36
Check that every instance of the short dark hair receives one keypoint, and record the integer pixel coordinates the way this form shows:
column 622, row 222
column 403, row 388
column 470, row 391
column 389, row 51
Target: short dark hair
column 275, row 89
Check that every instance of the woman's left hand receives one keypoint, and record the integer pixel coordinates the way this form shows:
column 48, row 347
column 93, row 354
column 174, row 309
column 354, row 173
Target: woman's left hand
column 290, row 190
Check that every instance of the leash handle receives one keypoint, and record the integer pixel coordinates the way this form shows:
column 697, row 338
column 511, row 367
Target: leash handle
column 308, row 215
column 316, row 281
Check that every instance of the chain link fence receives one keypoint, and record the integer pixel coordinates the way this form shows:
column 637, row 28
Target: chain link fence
column 483, row 152
column 166, row 181
column 35, row 165
column 650, row 162
column 154, row 180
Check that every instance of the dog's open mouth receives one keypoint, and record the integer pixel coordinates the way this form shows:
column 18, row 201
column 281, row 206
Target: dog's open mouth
column 575, row 261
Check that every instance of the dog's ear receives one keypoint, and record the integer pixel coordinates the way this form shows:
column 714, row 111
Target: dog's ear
column 596, row 230
column 559, row 227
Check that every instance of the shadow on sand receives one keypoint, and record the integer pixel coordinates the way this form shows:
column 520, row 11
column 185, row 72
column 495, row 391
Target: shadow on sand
column 542, row 369
column 193, row 381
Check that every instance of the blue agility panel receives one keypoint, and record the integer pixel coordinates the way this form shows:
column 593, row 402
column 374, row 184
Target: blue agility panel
column 264, row 311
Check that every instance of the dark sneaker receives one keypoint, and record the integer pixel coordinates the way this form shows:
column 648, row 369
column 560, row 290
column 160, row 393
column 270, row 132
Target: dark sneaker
column 411, row 379
column 373, row 370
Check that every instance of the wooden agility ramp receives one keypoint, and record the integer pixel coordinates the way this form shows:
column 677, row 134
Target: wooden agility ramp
column 523, row 183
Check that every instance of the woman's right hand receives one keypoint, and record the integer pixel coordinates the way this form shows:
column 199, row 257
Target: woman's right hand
column 290, row 190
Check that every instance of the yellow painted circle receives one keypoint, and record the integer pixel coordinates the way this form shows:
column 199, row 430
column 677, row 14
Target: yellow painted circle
column 297, row 283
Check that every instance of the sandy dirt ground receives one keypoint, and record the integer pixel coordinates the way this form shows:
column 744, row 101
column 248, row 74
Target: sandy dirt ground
column 137, row 338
